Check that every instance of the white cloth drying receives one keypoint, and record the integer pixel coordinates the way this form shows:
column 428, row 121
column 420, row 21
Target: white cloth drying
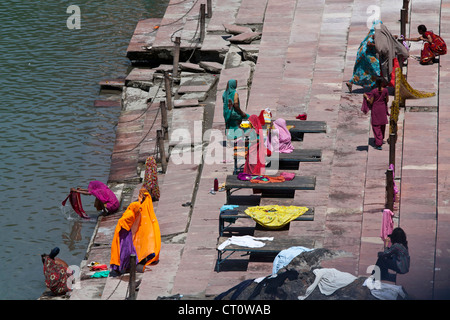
column 329, row 280
column 245, row 241
column 384, row 291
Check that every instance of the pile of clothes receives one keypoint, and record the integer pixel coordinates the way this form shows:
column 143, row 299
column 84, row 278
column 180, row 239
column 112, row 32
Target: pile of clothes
column 289, row 281
column 259, row 178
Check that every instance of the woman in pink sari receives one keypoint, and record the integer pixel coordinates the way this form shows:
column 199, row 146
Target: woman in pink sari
column 105, row 200
column 279, row 139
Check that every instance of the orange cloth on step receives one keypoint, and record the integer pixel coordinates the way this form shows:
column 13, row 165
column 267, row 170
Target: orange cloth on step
column 125, row 222
column 269, row 179
column 140, row 218
column 147, row 237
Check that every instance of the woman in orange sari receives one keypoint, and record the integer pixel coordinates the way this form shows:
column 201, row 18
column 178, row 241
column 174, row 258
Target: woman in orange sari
column 137, row 232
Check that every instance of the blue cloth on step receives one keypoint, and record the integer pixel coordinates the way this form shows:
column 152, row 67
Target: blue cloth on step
column 228, row 207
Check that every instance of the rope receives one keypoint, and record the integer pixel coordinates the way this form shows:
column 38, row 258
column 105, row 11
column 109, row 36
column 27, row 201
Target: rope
column 177, row 20
column 159, row 87
column 118, row 282
column 148, row 107
column 138, row 144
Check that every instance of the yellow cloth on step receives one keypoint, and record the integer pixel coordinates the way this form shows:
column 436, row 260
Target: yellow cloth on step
column 275, row 216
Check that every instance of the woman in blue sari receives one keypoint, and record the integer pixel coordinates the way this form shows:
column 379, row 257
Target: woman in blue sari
column 232, row 112
column 367, row 65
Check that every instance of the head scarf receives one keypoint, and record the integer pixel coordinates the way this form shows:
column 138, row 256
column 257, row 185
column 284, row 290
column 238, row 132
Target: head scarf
column 256, row 158
column 256, row 124
column 367, row 65
column 232, row 118
column 104, row 195
column 388, row 48
column 229, row 92
column 228, row 95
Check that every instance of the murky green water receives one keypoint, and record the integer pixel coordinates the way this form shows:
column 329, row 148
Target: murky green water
column 51, row 136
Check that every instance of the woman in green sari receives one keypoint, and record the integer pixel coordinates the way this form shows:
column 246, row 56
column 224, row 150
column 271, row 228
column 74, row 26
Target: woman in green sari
column 232, row 112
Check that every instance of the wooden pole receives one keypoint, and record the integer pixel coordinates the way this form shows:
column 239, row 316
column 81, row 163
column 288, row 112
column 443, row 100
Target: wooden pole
column 164, row 122
column 235, row 157
column 168, row 87
column 389, row 190
column 247, row 144
column 406, row 7
column 132, row 282
column 392, row 142
column 162, row 150
column 176, row 57
column 403, row 22
column 209, row 8
column 202, row 22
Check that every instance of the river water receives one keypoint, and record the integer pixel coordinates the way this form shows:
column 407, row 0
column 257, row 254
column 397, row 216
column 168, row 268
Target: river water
column 51, row 136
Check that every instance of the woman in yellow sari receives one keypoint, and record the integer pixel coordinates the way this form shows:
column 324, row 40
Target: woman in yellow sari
column 137, row 232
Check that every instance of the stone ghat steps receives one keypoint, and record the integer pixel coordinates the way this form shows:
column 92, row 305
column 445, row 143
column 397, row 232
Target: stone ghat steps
column 350, row 187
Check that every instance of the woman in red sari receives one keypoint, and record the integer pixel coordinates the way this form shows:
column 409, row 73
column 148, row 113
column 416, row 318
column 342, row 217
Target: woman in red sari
column 378, row 104
column 433, row 45
column 255, row 161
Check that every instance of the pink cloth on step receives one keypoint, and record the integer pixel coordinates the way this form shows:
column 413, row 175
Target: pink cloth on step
column 391, row 166
column 387, row 224
column 365, row 106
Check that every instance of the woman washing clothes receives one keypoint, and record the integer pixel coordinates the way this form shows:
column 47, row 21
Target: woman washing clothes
column 105, row 200
column 232, row 113
column 377, row 102
column 56, row 272
column 433, row 45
